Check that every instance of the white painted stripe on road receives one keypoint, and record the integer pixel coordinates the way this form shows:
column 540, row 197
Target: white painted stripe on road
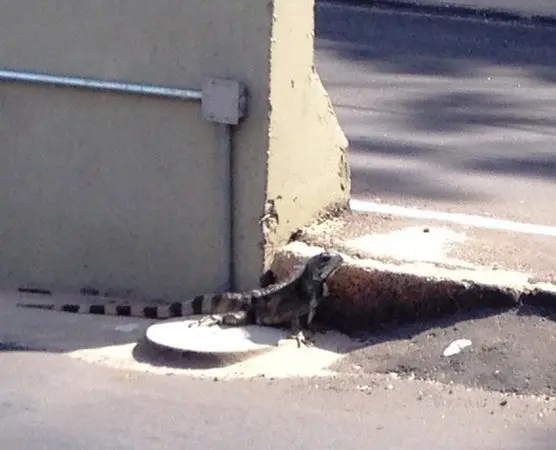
column 461, row 219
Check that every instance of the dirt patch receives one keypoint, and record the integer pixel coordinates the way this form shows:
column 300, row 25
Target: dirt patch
column 510, row 352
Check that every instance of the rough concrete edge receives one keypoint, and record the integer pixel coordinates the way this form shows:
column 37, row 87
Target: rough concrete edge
column 368, row 292
column 328, row 237
column 333, row 210
column 453, row 10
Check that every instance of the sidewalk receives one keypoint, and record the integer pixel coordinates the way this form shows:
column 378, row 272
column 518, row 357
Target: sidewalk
column 406, row 269
column 500, row 8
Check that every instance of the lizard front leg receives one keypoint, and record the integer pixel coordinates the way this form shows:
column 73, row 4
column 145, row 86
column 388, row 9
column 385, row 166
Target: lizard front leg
column 325, row 291
column 313, row 304
column 298, row 335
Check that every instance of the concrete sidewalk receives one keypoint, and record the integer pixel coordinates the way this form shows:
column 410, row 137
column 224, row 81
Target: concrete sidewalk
column 503, row 9
column 402, row 269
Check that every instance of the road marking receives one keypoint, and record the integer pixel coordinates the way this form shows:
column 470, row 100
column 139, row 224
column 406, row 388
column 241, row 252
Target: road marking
column 461, row 219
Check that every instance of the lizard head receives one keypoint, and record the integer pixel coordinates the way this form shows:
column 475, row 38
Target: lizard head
column 325, row 263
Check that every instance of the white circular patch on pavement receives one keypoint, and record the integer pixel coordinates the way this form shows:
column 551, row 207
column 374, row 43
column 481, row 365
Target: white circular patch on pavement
column 177, row 335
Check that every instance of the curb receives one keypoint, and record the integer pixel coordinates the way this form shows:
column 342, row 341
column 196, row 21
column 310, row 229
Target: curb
column 369, row 293
column 452, row 10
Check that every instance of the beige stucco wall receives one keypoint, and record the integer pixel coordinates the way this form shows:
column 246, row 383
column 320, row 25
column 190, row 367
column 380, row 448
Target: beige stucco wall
column 308, row 168
column 129, row 194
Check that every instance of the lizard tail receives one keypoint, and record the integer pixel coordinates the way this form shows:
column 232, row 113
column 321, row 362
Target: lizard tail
column 202, row 304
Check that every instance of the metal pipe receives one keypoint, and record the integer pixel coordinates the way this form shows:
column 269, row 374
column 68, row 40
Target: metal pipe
column 121, row 87
column 228, row 151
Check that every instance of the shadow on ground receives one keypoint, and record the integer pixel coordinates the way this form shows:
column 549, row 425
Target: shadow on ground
column 415, row 44
column 155, row 355
column 427, row 102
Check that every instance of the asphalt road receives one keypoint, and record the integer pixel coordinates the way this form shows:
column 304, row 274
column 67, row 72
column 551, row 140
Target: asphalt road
column 545, row 8
column 510, row 351
column 49, row 401
column 444, row 113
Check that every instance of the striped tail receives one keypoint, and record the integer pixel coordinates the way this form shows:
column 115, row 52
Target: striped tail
column 202, row 304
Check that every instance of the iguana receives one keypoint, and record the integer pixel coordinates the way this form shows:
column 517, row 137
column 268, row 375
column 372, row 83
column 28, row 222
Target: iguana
column 274, row 304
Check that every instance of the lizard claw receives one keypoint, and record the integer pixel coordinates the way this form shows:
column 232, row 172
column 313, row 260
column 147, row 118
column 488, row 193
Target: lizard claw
column 301, row 339
column 305, row 342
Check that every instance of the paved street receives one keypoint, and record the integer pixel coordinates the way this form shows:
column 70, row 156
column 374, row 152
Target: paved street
column 510, row 351
column 448, row 115
column 529, row 8
column 444, row 113
column 52, row 402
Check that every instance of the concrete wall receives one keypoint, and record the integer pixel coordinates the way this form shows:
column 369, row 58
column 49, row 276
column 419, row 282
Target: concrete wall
column 128, row 195
column 308, row 168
